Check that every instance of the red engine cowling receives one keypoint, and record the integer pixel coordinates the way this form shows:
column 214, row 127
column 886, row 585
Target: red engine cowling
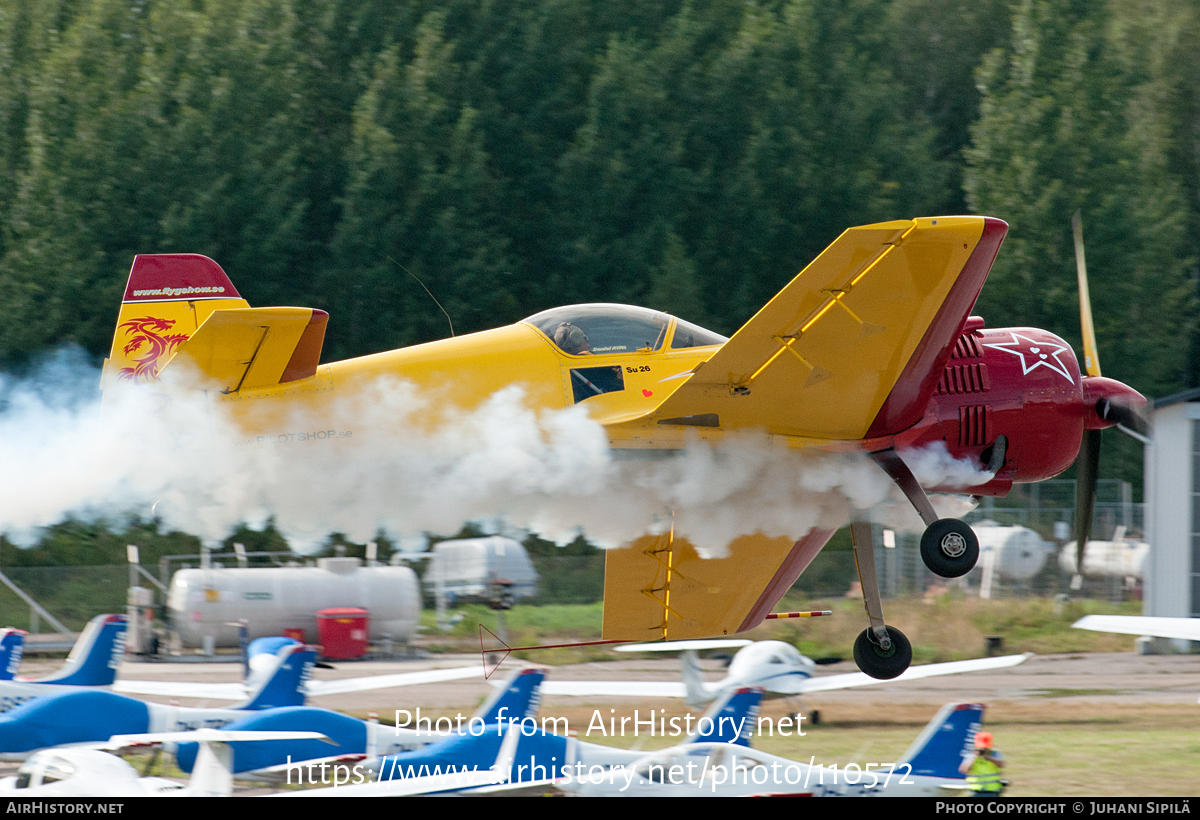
column 1020, row 383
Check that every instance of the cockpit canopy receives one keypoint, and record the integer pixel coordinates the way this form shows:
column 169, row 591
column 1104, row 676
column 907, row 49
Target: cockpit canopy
column 601, row 329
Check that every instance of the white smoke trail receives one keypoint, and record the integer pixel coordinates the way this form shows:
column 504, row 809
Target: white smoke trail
column 375, row 463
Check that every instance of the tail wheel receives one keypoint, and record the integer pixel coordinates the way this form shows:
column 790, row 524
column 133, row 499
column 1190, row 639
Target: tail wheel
column 949, row 548
column 880, row 664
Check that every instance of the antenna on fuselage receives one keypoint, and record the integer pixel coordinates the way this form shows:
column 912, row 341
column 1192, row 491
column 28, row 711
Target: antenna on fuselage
column 427, row 290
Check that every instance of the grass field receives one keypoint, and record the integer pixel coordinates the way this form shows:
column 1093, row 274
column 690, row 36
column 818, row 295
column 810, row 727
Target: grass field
column 1052, row 749
column 943, row 628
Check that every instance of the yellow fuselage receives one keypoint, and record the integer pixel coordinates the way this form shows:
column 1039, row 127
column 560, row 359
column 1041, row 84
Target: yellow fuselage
column 459, row 374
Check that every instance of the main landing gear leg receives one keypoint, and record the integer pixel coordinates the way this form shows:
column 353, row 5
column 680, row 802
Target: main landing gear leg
column 881, row 651
column 948, row 546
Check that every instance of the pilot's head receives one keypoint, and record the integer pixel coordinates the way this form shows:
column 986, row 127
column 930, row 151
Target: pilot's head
column 571, row 339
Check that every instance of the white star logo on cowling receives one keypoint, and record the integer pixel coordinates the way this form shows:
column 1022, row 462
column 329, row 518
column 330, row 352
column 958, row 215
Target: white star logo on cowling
column 1041, row 354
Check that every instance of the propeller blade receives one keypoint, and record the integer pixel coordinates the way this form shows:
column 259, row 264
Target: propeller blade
column 1091, row 356
column 1125, row 416
column 1087, row 472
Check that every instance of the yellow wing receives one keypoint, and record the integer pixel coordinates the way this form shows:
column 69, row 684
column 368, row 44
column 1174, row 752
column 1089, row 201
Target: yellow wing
column 660, row 588
column 851, row 348
column 822, row 357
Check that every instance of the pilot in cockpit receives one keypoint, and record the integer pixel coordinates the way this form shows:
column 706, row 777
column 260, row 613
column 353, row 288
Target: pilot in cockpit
column 571, row 339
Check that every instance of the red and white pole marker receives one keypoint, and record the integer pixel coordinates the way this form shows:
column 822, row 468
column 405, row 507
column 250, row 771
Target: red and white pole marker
column 816, row 613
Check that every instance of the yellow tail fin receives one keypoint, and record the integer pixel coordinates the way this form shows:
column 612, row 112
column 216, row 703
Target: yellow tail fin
column 181, row 313
column 166, row 300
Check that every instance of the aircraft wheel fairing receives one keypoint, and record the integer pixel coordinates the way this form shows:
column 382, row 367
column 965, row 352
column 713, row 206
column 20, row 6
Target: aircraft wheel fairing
column 877, row 663
column 949, row 548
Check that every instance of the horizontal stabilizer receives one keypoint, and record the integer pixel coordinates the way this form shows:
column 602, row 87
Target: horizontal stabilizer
column 246, row 348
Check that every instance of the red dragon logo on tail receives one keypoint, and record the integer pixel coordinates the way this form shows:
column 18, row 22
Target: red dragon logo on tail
column 146, row 332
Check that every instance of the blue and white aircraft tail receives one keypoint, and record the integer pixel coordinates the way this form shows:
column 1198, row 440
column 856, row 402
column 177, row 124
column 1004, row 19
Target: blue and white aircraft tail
column 93, row 662
column 12, row 647
column 520, row 698
column 928, row 769
column 945, row 741
column 82, row 715
column 286, row 685
column 517, row 701
column 543, row 755
column 96, row 655
column 732, row 718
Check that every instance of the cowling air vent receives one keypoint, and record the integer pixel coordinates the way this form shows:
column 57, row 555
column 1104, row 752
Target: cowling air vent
column 966, row 348
column 972, row 425
column 964, row 378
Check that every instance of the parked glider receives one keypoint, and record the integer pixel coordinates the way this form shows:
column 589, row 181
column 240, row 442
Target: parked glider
column 776, row 667
column 869, row 348
column 88, row 771
column 928, row 769
column 93, row 661
column 543, row 756
column 91, row 772
column 78, row 715
column 518, row 698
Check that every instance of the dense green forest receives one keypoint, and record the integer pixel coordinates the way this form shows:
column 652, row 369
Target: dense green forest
column 688, row 156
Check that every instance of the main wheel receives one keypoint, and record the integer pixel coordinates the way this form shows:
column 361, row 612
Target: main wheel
column 873, row 661
column 949, row 548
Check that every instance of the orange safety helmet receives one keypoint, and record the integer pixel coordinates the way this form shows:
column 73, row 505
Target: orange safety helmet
column 983, row 740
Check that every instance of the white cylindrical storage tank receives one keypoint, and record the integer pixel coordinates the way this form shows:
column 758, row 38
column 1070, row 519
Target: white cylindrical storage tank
column 1020, row 553
column 210, row 602
column 1104, row 559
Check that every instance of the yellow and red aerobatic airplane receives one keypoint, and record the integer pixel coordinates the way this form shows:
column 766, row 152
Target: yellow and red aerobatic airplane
column 870, row 347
